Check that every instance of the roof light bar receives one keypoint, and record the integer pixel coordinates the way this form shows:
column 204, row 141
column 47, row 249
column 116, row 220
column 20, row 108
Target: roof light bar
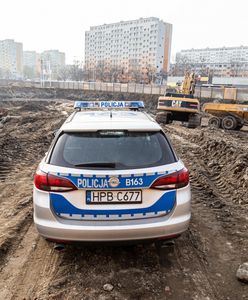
column 108, row 104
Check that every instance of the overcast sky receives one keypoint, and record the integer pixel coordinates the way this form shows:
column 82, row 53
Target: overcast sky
column 60, row 24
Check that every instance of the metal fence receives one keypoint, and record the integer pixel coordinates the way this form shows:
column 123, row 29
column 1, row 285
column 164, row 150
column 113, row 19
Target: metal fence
column 151, row 89
column 211, row 92
column 91, row 86
column 108, row 87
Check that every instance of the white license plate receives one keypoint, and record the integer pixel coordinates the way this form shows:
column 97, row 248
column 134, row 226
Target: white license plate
column 108, row 197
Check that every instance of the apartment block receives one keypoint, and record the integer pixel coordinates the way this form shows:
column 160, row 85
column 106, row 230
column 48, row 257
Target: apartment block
column 138, row 45
column 11, row 59
column 225, row 61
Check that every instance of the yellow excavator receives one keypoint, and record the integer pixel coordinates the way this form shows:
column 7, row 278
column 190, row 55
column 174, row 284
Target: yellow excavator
column 180, row 106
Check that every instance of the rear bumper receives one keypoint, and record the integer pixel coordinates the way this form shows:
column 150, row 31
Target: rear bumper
column 52, row 227
column 55, row 230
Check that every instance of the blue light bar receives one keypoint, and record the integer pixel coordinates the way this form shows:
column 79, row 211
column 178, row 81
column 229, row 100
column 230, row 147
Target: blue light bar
column 109, row 104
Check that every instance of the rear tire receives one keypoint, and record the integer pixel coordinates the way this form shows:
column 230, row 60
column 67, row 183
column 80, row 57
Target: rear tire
column 214, row 122
column 194, row 121
column 229, row 123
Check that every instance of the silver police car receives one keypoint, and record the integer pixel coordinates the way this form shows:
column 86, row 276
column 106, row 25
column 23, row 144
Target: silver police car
column 111, row 174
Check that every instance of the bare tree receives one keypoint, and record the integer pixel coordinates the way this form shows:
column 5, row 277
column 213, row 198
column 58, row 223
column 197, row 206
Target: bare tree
column 123, row 75
column 64, row 73
column 115, row 73
column 150, row 74
column 76, row 71
column 100, row 71
column 203, row 70
column 162, row 76
column 86, row 74
column 182, row 66
column 236, row 68
column 134, row 73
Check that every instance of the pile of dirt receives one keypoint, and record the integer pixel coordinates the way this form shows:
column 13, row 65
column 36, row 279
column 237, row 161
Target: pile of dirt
column 34, row 106
column 3, row 112
column 15, row 93
column 228, row 164
column 26, row 134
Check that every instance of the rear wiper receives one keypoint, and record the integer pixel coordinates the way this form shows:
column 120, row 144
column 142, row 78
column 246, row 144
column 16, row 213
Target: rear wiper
column 95, row 165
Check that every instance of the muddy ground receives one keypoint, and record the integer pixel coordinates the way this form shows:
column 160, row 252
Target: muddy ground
column 203, row 263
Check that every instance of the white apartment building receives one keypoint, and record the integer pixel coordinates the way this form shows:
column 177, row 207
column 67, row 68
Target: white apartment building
column 129, row 45
column 11, row 59
column 223, row 60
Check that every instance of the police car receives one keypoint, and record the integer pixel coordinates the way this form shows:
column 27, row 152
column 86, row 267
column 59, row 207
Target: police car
column 111, row 174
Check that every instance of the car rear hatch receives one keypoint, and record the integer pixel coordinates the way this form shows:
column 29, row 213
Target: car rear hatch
column 112, row 175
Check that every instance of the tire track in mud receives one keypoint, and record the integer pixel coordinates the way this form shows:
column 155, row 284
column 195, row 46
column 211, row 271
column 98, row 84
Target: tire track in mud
column 23, row 140
column 225, row 162
column 14, row 265
column 15, row 213
column 36, row 269
column 218, row 226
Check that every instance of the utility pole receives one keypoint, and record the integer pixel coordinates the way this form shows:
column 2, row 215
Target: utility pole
column 41, row 73
column 49, row 72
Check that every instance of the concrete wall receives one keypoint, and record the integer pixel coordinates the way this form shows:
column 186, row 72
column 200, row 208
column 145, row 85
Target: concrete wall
column 153, row 89
column 240, row 94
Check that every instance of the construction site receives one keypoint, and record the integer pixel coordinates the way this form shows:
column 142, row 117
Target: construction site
column 203, row 263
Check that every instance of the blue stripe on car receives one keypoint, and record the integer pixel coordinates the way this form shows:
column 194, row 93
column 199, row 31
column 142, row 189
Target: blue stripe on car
column 164, row 204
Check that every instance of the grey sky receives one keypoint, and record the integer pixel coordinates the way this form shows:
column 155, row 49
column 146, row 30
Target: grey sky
column 60, row 24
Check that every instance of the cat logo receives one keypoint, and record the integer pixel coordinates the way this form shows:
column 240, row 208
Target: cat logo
column 176, row 103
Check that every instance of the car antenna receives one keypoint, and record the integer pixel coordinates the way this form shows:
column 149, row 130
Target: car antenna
column 111, row 114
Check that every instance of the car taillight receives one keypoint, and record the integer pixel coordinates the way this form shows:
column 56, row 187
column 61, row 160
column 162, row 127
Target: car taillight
column 172, row 181
column 48, row 182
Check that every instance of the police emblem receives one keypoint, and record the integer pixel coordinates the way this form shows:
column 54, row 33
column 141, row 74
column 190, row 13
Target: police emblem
column 113, row 181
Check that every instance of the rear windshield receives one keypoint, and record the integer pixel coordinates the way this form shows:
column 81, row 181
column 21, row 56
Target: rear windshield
column 112, row 150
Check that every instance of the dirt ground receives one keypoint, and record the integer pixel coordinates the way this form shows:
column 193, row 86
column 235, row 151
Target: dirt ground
column 201, row 266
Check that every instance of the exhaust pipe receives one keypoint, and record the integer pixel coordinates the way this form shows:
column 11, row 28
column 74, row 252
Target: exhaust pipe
column 58, row 247
column 58, row 244
column 167, row 244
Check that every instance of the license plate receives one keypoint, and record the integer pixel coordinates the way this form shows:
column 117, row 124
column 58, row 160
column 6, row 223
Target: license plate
column 116, row 197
